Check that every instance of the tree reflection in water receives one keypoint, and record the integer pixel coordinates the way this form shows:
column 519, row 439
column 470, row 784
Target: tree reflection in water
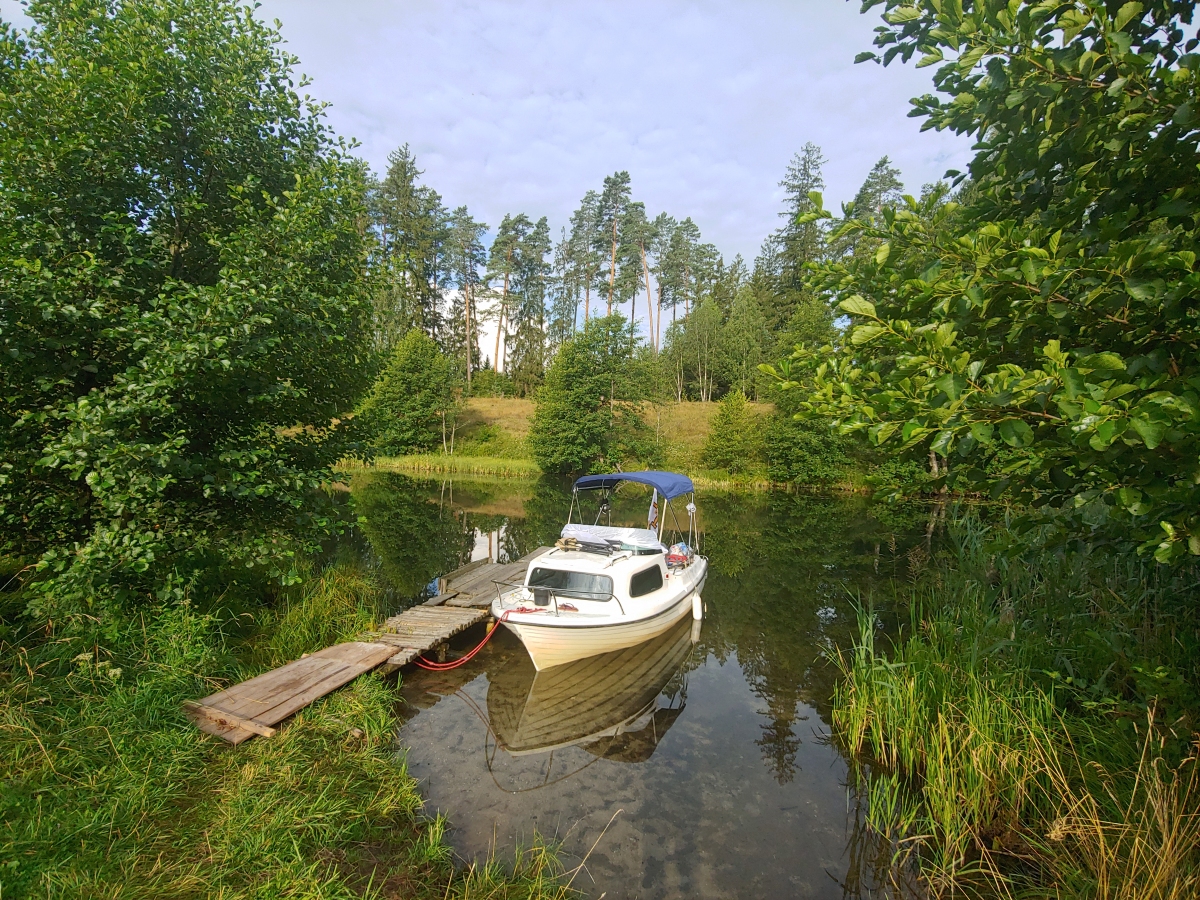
column 787, row 571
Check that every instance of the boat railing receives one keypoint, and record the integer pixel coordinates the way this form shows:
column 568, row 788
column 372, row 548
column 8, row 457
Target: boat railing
column 546, row 596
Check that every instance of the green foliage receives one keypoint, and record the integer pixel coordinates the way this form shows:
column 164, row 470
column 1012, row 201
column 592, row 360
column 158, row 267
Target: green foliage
column 392, row 510
column 107, row 790
column 339, row 604
column 587, row 412
column 735, row 439
column 185, row 297
column 412, row 229
column 407, row 408
column 490, row 383
column 1051, row 310
column 1051, row 695
column 804, row 452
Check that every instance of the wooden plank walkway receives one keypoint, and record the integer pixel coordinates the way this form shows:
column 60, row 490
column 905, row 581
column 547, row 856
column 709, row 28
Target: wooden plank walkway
column 257, row 706
column 473, row 586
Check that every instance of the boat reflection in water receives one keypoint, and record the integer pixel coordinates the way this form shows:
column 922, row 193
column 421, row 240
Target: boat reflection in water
column 614, row 706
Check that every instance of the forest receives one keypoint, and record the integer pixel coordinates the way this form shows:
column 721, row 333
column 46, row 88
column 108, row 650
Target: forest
column 211, row 310
column 445, row 273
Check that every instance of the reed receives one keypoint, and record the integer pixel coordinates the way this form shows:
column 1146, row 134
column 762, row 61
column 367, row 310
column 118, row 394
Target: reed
column 1000, row 734
column 445, row 464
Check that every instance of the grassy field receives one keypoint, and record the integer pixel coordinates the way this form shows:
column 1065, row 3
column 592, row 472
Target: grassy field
column 106, row 790
column 491, row 440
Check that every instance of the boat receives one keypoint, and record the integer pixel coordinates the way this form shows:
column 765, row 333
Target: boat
column 610, row 705
column 602, row 587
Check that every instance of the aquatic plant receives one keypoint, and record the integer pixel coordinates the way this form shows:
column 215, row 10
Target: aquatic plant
column 1033, row 730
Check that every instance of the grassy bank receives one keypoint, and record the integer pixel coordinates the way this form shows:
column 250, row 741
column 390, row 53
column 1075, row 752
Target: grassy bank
column 109, row 791
column 491, row 441
column 446, row 464
column 1033, row 732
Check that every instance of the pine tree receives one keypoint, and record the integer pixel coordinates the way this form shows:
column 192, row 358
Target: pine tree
column 410, row 223
column 529, row 309
column 612, row 204
column 801, row 242
column 663, row 232
column 635, row 233
column 466, row 256
column 881, row 189
column 503, row 261
column 778, row 277
column 583, row 251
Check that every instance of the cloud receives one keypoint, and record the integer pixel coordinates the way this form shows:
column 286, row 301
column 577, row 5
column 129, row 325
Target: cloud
column 523, row 105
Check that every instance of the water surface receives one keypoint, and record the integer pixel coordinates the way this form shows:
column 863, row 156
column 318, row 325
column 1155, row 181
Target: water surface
column 698, row 765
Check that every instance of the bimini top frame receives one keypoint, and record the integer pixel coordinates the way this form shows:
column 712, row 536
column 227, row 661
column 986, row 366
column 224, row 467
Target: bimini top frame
column 668, row 484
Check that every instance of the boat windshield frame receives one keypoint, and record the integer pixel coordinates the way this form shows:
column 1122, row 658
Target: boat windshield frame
column 570, row 593
column 617, row 479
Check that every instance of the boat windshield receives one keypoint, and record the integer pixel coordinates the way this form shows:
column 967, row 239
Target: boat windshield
column 580, row 585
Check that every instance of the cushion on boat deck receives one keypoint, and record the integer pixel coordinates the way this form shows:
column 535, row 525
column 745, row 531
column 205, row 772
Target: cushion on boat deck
column 639, row 538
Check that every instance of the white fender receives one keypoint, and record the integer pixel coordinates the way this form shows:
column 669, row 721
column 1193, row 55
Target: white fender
column 697, row 607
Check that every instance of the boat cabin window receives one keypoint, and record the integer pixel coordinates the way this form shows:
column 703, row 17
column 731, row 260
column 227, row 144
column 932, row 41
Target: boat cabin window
column 580, row 585
column 645, row 582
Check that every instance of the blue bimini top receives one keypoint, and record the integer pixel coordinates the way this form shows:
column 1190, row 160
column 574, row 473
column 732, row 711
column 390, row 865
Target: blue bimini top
column 669, row 484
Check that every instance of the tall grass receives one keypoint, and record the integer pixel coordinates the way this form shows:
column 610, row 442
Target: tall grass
column 106, row 790
column 1033, row 732
column 445, row 464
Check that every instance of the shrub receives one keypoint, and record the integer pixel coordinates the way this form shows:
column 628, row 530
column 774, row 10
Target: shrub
column 585, row 413
column 735, row 439
column 804, row 452
column 185, row 297
column 405, row 408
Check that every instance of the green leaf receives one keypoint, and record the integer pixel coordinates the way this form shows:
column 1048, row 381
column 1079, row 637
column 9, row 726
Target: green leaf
column 857, row 306
column 1127, row 14
column 982, row 431
column 882, row 253
column 1150, row 431
column 864, row 333
column 1104, row 361
column 1073, row 382
column 881, row 432
column 952, row 385
column 1016, row 433
column 865, row 56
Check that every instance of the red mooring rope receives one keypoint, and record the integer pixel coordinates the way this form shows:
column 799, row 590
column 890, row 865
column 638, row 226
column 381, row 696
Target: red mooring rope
column 443, row 667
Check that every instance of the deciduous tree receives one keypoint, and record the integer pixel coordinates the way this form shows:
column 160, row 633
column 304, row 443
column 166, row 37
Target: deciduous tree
column 184, row 297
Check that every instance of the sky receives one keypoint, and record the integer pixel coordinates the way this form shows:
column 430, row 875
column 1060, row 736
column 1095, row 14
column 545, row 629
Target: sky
column 523, row 105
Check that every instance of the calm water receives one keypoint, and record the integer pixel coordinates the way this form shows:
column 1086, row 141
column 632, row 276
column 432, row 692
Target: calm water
column 698, row 765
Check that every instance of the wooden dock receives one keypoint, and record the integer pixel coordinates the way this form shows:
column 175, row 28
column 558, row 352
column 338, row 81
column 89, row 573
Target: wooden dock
column 257, row 706
column 474, row 585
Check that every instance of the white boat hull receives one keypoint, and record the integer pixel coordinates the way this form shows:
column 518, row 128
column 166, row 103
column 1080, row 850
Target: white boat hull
column 560, row 641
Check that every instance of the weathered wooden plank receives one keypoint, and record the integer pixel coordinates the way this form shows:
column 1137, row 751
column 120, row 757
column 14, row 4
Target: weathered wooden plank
column 481, row 602
column 230, row 733
column 404, row 657
column 331, row 683
column 263, row 684
column 254, row 706
column 269, row 700
column 225, row 719
column 444, row 581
